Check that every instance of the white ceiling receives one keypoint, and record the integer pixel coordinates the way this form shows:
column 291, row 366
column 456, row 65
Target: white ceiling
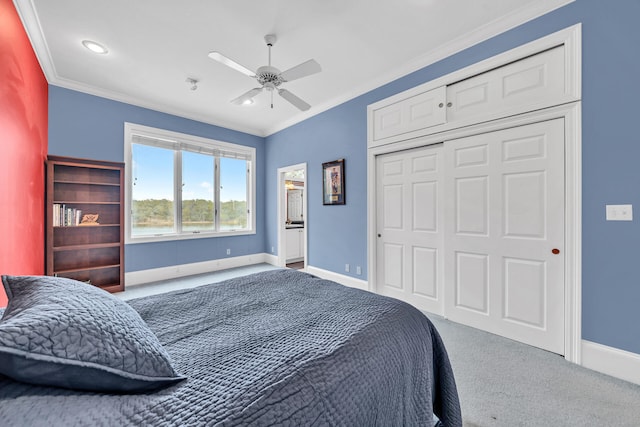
column 155, row 45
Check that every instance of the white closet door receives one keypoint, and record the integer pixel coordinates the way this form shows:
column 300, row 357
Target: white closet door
column 409, row 227
column 504, row 235
column 417, row 112
column 534, row 82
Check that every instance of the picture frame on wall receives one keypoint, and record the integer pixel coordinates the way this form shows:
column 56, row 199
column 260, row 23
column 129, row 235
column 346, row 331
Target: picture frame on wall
column 333, row 183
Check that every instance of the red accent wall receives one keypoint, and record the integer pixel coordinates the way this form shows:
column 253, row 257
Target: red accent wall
column 23, row 149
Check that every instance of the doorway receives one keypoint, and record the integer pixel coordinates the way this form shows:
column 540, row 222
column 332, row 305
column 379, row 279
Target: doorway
column 292, row 216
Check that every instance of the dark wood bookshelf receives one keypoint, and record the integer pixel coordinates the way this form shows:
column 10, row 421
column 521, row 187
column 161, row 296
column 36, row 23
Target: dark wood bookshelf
column 88, row 253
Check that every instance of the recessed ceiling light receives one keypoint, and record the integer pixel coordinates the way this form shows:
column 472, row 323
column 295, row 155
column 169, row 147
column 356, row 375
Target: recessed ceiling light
column 94, row 47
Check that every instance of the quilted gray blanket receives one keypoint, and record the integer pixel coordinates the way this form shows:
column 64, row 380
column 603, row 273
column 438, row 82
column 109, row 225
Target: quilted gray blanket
column 275, row 348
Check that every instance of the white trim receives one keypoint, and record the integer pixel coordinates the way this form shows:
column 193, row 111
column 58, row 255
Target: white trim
column 271, row 259
column 155, row 106
column 27, row 12
column 571, row 112
column 29, row 17
column 135, row 278
column 132, row 128
column 573, row 234
column 492, row 29
column 611, row 361
column 339, row 278
column 140, row 277
column 281, row 246
column 569, row 37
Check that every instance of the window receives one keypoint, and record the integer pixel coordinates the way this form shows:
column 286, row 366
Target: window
column 182, row 186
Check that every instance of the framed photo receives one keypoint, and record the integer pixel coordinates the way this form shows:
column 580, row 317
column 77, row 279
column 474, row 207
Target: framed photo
column 333, row 188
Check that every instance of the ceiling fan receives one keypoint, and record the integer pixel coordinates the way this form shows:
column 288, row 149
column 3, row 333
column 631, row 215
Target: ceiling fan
column 270, row 77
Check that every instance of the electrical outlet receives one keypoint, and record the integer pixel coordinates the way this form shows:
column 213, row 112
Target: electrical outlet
column 228, row 251
column 358, row 270
column 619, row 212
column 273, row 250
column 346, row 268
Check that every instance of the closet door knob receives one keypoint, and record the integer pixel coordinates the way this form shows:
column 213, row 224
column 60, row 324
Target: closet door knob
column 449, row 104
column 555, row 251
column 441, row 105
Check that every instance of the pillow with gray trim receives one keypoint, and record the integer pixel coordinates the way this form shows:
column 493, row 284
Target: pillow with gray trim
column 64, row 333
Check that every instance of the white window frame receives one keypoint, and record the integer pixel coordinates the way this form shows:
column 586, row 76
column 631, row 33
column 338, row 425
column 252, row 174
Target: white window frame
column 132, row 129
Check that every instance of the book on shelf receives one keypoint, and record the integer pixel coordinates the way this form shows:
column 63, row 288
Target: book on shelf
column 64, row 216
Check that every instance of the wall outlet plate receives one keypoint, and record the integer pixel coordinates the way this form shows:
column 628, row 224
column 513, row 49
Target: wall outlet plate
column 619, row 212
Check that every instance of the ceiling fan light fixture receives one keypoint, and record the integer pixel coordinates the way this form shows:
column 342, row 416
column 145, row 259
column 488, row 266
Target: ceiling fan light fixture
column 247, row 101
column 95, row 47
column 270, row 78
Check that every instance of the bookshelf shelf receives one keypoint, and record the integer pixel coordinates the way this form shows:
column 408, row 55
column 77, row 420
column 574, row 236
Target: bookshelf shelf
column 76, row 270
column 89, row 246
column 87, row 226
column 89, row 253
column 76, row 202
column 85, row 182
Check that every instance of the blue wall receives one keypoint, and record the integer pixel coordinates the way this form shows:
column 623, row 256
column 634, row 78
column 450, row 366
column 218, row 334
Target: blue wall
column 611, row 151
column 336, row 234
column 87, row 126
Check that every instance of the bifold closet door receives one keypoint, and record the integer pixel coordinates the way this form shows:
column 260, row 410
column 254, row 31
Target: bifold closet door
column 504, row 233
column 409, row 256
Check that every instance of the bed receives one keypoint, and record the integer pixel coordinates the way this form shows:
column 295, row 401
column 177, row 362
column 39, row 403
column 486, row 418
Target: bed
column 280, row 347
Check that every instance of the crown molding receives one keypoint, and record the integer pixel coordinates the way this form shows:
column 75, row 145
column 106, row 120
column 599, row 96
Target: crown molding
column 28, row 15
column 487, row 31
column 161, row 108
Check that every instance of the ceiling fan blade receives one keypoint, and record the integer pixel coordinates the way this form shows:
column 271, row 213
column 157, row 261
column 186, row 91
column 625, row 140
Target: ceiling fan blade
column 246, row 96
column 302, row 70
column 217, row 56
column 297, row 102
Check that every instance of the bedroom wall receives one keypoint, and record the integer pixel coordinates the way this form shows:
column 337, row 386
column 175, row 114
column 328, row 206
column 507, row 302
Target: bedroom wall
column 336, row 234
column 610, row 144
column 82, row 125
column 23, row 147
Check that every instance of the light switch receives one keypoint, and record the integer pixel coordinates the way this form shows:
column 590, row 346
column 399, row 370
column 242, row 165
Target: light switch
column 619, row 212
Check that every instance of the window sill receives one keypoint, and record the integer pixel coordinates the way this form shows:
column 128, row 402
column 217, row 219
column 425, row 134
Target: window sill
column 189, row 236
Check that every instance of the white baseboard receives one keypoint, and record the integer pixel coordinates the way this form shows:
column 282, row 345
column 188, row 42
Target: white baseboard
column 271, row 259
column 134, row 278
column 156, row 274
column 611, row 361
column 340, row 278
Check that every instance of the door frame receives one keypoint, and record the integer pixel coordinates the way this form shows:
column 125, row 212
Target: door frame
column 571, row 113
column 282, row 209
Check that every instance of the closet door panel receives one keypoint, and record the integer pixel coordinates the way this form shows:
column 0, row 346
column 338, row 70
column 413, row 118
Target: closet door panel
column 504, row 263
column 409, row 227
column 417, row 112
column 533, row 82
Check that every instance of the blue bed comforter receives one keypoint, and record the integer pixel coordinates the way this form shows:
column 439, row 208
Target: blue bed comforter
column 275, row 348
